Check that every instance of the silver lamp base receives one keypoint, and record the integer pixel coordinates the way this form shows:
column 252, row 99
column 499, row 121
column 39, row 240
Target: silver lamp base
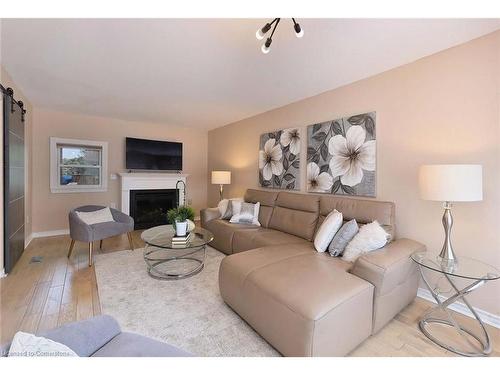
column 221, row 192
column 447, row 256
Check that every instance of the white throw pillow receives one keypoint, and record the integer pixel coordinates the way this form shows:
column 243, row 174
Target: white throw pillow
column 370, row 237
column 245, row 213
column 224, row 205
column 327, row 230
column 28, row 345
column 100, row 216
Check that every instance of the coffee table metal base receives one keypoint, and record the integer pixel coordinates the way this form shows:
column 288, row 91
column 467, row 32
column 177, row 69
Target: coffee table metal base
column 155, row 258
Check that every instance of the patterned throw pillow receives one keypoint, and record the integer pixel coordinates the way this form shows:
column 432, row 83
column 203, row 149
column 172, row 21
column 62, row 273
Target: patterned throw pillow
column 245, row 213
column 226, row 215
column 345, row 234
column 226, row 207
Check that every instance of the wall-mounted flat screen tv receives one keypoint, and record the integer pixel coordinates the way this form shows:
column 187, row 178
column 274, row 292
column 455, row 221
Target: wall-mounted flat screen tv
column 153, row 155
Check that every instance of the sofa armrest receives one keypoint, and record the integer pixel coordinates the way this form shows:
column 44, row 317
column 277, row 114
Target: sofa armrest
column 388, row 267
column 209, row 214
column 87, row 336
column 121, row 217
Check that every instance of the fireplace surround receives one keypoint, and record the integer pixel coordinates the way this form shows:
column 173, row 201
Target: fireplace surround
column 153, row 192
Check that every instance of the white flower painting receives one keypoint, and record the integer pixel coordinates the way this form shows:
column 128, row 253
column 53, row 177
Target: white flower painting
column 290, row 137
column 341, row 156
column 279, row 159
column 318, row 182
column 271, row 159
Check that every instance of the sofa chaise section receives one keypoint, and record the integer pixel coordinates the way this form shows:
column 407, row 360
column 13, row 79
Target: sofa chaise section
column 302, row 302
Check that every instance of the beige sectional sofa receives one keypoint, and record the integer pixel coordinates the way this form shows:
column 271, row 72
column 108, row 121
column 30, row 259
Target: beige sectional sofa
column 302, row 302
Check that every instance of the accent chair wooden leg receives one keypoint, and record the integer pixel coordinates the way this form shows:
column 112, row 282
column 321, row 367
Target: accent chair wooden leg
column 129, row 235
column 91, row 247
column 100, row 245
column 71, row 246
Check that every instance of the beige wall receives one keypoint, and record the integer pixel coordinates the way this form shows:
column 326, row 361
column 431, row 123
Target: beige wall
column 440, row 109
column 50, row 211
column 6, row 81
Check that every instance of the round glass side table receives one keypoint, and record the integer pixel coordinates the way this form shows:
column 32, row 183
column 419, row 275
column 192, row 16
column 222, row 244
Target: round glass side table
column 168, row 261
column 475, row 273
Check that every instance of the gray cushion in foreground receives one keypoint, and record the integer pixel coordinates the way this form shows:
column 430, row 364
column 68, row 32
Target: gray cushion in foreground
column 86, row 336
column 133, row 345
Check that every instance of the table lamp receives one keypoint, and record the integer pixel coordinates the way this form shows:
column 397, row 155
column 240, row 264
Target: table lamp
column 221, row 178
column 450, row 183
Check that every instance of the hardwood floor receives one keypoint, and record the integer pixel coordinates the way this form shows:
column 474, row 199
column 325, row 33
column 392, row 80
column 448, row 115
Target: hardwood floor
column 41, row 296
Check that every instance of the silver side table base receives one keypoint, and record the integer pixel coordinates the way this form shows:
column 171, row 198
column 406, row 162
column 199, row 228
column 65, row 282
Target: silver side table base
column 472, row 338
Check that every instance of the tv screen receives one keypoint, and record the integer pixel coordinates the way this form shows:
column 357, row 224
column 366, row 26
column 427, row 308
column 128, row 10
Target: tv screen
column 153, row 155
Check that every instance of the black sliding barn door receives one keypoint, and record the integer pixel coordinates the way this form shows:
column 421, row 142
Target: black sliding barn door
column 13, row 174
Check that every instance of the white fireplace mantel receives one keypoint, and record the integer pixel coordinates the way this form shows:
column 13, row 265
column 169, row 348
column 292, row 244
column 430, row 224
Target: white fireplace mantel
column 148, row 181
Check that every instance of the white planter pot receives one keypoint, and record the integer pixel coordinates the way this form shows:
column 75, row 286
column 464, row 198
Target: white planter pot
column 181, row 228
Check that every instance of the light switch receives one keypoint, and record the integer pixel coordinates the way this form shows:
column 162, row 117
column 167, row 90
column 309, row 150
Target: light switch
column 113, row 176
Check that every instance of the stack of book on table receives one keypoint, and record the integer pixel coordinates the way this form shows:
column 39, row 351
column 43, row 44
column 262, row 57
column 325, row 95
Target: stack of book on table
column 182, row 241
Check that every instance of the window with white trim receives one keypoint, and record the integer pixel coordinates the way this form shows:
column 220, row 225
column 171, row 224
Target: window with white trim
column 78, row 165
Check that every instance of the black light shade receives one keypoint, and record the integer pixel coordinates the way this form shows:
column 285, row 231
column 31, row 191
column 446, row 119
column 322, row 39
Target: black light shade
column 298, row 30
column 265, row 47
column 261, row 32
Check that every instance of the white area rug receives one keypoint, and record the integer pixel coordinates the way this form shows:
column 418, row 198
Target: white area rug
column 189, row 313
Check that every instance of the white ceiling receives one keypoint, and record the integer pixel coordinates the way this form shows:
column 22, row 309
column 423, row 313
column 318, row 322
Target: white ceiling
column 206, row 73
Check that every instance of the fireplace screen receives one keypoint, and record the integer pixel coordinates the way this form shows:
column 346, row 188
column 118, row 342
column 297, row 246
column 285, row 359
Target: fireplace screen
column 149, row 207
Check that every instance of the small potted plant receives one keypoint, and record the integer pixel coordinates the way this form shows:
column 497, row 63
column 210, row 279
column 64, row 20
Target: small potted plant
column 181, row 219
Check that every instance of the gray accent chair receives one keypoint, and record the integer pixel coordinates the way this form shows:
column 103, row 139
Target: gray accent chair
column 102, row 336
column 79, row 231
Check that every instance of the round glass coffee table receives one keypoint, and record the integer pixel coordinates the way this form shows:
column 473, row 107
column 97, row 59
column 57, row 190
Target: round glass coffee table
column 474, row 274
column 167, row 261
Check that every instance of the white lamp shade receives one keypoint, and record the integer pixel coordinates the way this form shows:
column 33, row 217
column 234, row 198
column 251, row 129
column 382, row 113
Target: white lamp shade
column 221, row 177
column 451, row 182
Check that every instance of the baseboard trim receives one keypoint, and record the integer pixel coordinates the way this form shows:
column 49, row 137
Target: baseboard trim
column 58, row 232
column 28, row 240
column 2, row 273
column 50, row 233
column 459, row 307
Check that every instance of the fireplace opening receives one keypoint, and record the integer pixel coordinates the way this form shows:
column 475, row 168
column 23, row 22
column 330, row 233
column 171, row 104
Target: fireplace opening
column 149, row 208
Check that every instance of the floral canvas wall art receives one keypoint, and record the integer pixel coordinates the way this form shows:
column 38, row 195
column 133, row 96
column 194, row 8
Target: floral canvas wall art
column 279, row 159
column 341, row 156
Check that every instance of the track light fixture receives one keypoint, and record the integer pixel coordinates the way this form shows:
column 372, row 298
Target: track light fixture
column 261, row 33
column 299, row 33
column 265, row 47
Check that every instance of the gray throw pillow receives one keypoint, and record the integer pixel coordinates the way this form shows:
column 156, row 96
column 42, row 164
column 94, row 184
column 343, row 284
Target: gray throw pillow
column 345, row 234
